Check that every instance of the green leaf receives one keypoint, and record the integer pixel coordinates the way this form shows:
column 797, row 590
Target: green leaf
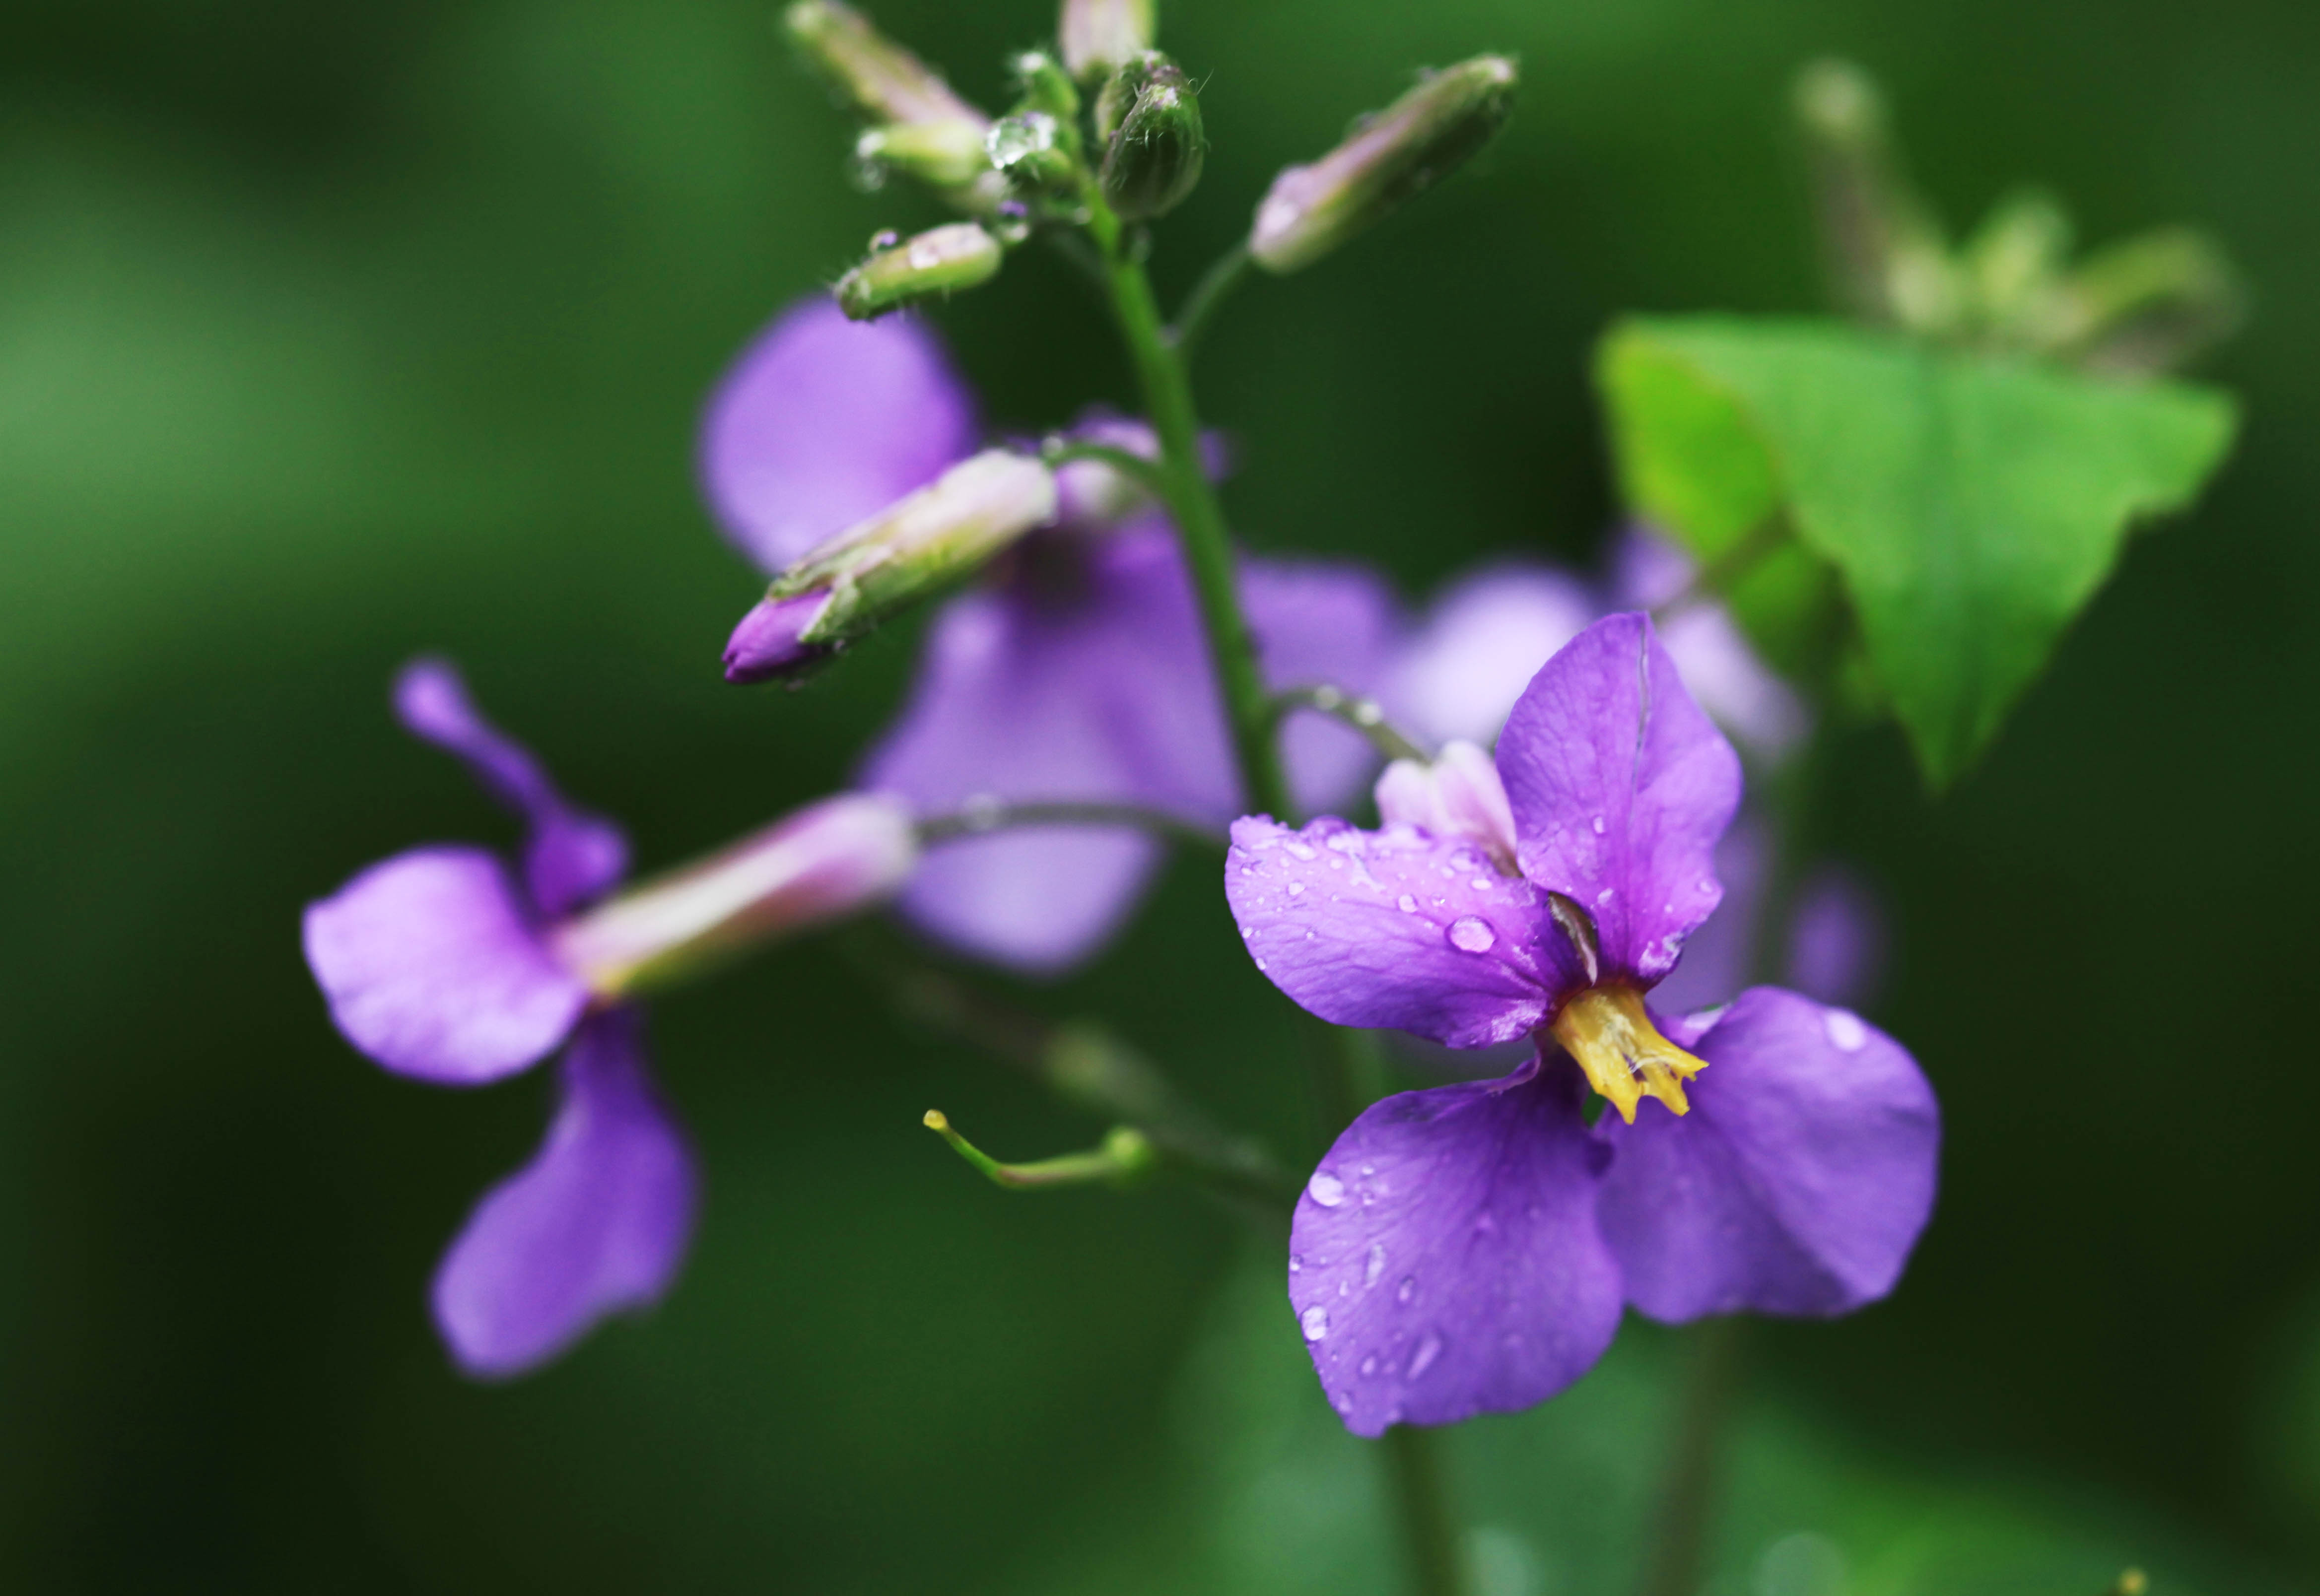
column 1969, row 505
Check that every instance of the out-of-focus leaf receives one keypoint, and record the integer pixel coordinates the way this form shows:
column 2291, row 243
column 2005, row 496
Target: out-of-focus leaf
column 1262, row 1491
column 1970, row 505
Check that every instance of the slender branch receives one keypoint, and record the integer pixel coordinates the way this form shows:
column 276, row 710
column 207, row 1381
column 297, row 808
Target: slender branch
column 1437, row 1557
column 1126, row 1156
column 1225, row 274
column 1094, row 1070
column 1364, row 715
column 983, row 816
column 1715, row 578
column 1200, row 520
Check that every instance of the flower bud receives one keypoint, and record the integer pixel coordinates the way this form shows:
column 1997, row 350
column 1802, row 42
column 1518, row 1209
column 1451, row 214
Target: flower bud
column 940, row 260
column 833, row 858
column 948, row 154
column 1098, row 35
column 769, row 643
column 885, row 82
column 917, row 546
column 1458, row 794
column 1392, row 157
column 1155, row 156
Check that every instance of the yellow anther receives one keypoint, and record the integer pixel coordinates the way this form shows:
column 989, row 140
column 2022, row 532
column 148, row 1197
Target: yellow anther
column 1625, row 1059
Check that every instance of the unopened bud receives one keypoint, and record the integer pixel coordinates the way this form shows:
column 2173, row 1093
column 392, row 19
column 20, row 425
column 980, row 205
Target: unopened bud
column 1098, row 35
column 1394, row 156
column 919, row 545
column 948, row 154
column 1154, row 155
column 770, row 642
column 941, row 260
column 886, row 83
column 834, row 858
column 1458, row 794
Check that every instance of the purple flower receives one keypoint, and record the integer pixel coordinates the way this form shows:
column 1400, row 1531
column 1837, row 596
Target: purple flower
column 444, row 965
column 1076, row 670
column 1468, row 1249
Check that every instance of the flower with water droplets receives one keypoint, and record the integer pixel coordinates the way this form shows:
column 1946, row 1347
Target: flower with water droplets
column 1073, row 670
column 443, row 965
column 1786, row 1167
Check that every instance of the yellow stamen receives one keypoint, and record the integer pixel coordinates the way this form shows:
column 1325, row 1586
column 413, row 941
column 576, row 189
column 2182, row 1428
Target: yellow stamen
column 1625, row 1056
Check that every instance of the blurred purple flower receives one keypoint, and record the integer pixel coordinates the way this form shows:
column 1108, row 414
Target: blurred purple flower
column 1485, row 636
column 1468, row 1249
column 443, row 965
column 1074, row 671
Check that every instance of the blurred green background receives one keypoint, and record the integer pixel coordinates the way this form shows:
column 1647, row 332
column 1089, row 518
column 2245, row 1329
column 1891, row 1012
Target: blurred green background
column 332, row 333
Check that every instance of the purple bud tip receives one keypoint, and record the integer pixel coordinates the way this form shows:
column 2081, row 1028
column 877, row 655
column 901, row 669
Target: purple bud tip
column 766, row 645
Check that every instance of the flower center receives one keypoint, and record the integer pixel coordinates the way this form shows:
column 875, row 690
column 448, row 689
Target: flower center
column 1608, row 1031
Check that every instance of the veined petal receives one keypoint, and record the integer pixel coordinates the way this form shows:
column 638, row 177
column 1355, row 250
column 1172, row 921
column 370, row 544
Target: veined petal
column 1798, row 1184
column 598, row 1221
column 434, row 966
column 1396, row 929
column 1483, row 639
column 1445, row 1260
column 571, row 855
column 822, row 422
column 1620, row 788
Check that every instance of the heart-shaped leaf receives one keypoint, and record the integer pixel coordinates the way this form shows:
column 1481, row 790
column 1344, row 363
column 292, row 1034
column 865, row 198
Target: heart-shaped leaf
column 1970, row 505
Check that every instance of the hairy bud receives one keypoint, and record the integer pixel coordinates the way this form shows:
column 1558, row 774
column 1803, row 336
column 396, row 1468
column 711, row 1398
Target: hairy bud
column 886, row 83
column 1392, row 158
column 1098, row 35
column 1153, row 156
column 940, row 260
column 916, row 547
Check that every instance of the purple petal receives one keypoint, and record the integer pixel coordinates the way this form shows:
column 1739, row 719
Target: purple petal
column 1620, row 787
column 1395, row 929
column 768, row 646
column 1445, row 1260
column 823, row 421
column 1481, row 642
column 1836, row 937
column 596, row 1223
column 433, row 966
column 1321, row 622
column 1797, row 1185
column 1722, row 671
column 1078, row 678
column 571, row 855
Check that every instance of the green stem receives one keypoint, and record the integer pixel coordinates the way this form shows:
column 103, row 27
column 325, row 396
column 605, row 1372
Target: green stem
column 1200, row 520
column 1364, row 715
column 1437, row 1560
column 1347, row 1082
column 980, row 820
column 1688, row 1490
column 1215, row 286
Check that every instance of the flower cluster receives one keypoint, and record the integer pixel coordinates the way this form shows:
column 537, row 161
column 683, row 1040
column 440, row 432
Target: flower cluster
column 1104, row 668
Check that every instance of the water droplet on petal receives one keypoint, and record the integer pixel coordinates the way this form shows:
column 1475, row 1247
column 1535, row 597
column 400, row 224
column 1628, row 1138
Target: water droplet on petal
column 1470, row 934
column 1296, row 1263
column 1598, row 823
column 1846, row 1031
column 1325, row 1188
column 1296, row 889
column 1298, row 850
column 1368, row 1365
column 1376, row 1265
column 1409, row 904
column 1407, row 1289
column 1423, row 1358
column 1316, row 1323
